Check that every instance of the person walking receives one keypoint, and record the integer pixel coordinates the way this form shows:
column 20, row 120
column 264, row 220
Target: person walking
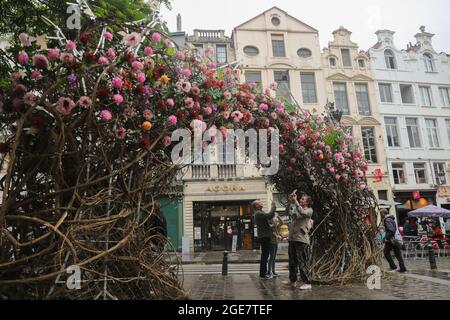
column 275, row 238
column 390, row 242
column 262, row 220
column 299, row 241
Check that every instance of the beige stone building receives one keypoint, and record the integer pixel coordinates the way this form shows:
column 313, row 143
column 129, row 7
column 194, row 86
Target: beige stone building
column 349, row 84
column 276, row 47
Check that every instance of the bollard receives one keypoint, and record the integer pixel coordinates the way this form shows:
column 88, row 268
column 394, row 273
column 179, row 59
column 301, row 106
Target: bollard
column 432, row 257
column 225, row 263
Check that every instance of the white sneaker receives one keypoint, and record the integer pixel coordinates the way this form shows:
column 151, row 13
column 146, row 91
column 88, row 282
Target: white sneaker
column 306, row 287
column 291, row 284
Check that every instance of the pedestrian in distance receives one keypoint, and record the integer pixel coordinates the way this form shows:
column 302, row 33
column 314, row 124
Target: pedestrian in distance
column 299, row 240
column 392, row 242
column 262, row 221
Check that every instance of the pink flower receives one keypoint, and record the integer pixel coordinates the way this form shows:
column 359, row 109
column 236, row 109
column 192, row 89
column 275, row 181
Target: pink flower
column 85, row 102
column 226, row 115
column 322, row 144
column 208, row 111
column 302, row 138
column 137, row 65
column 298, row 173
column 148, row 51
column 30, row 98
column 121, row 133
column 66, row 57
column 172, row 120
column 65, row 106
column 320, row 118
column 156, row 37
column 111, row 53
column 293, row 161
column 195, row 91
column 338, row 177
column 267, row 91
column 168, row 43
column 332, row 170
column 189, row 102
column 118, row 99
column 263, row 107
column 70, row 46
column 108, row 36
column 40, row 62
column 53, row 54
column 117, row 82
column 148, row 114
column 26, row 40
column 186, row 86
column 237, row 116
column 209, row 52
column 129, row 112
column 132, row 39
column 36, row 75
column 150, row 63
column 274, row 116
column 23, row 58
column 103, row 60
column 170, row 102
column 106, row 115
column 186, row 72
column 141, row 77
column 290, row 169
column 227, row 95
column 180, row 56
column 198, row 126
column 167, row 141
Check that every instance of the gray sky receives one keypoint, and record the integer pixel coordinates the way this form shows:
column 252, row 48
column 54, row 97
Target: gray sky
column 362, row 17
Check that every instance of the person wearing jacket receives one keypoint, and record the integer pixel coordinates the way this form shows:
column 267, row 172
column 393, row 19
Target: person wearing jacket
column 262, row 221
column 389, row 243
column 299, row 241
column 275, row 238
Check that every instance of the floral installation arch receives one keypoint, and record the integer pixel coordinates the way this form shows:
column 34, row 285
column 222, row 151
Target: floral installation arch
column 90, row 123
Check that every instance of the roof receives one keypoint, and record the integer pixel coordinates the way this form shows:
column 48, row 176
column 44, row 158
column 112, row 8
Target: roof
column 277, row 8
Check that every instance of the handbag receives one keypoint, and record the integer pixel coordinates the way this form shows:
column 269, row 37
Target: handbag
column 398, row 240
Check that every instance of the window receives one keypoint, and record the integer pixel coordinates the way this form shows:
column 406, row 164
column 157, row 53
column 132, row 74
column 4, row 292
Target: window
column 420, row 173
column 413, row 133
column 308, row 87
column 282, row 78
column 362, row 96
column 370, row 150
column 361, row 63
column 398, row 172
column 383, row 195
column 332, row 62
column 445, row 96
column 392, row 132
column 251, row 51
column 428, row 60
column 276, row 21
column 278, row 46
column 346, row 59
column 407, row 93
column 253, row 76
column 221, row 53
column 432, row 132
column 447, row 122
column 304, row 53
column 390, row 59
column 340, row 97
column 386, row 92
column 425, row 94
column 439, row 173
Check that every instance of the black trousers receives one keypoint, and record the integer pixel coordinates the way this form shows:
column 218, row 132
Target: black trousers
column 388, row 247
column 299, row 257
column 265, row 252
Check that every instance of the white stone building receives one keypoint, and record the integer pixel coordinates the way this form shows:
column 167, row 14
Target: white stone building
column 414, row 97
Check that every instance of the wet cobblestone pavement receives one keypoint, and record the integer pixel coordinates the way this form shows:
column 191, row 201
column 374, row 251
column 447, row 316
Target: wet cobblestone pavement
column 418, row 284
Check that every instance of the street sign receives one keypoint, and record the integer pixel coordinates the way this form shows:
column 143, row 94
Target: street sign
column 234, row 244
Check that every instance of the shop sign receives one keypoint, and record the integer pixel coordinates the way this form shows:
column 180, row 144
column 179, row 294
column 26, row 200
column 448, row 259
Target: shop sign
column 378, row 175
column 225, row 188
column 198, row 233
column 416, row 195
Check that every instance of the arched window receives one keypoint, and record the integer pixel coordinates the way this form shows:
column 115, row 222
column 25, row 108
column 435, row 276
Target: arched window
column 332, row 62
column 428, row 59
column 390, row 59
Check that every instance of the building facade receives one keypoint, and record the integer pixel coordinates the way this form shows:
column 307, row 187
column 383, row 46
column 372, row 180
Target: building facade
column 222, row 45
column 413, row 89
column 350, row 86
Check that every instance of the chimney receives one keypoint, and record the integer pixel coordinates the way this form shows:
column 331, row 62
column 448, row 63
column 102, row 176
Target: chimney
column 179, row 26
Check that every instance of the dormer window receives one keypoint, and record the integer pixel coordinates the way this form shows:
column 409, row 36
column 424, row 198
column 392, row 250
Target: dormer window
column 361, row 63
column 390, row 59
column 428, row 59
column 332, row 62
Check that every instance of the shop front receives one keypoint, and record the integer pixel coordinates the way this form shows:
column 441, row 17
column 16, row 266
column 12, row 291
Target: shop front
column 412, row 200
column 217, row 215
column 220, row 226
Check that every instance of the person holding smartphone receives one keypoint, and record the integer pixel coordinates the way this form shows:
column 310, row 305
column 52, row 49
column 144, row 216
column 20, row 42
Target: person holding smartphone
column 299, row 241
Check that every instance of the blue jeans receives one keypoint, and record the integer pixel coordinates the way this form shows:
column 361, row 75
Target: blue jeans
column 272, row 257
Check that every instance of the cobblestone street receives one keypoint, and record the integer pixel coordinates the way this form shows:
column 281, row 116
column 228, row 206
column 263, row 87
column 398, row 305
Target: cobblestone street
column 418, row 284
